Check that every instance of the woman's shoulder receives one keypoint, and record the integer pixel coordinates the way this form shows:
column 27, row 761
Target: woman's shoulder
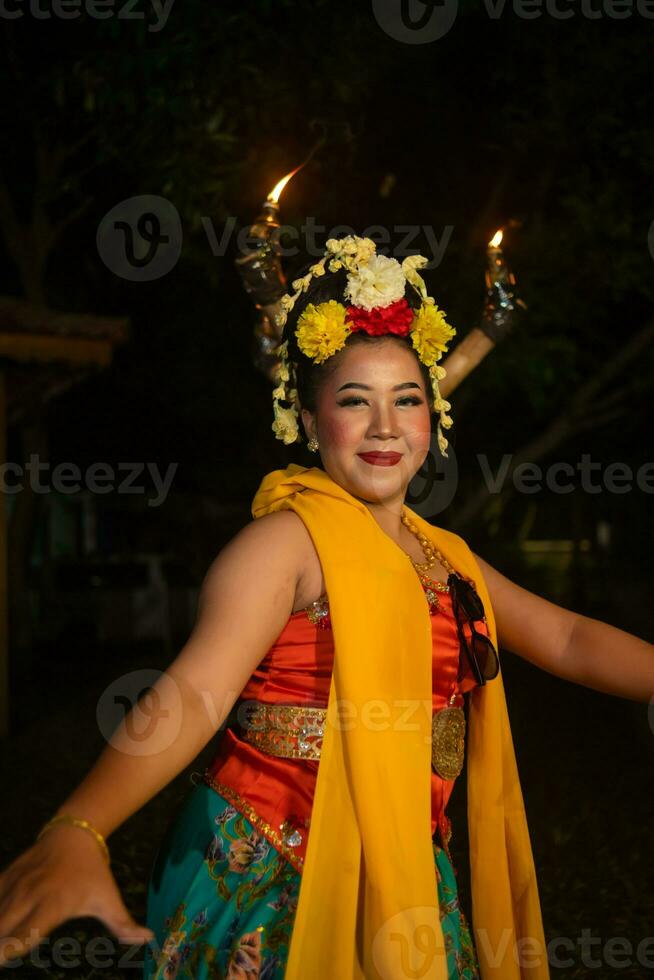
column 278, row 536
column 279, row 527
column 286, row 530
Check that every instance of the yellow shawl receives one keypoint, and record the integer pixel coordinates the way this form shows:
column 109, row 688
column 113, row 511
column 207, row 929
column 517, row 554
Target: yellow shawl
column 368, row 904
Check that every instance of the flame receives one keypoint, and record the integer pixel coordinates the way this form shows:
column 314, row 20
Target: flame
column 496, row 239
column 275, row 193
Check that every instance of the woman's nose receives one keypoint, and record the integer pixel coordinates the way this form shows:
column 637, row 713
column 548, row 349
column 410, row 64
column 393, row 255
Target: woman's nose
column 383, row 424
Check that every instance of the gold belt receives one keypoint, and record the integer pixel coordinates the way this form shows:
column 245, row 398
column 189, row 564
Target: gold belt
column 295, row 732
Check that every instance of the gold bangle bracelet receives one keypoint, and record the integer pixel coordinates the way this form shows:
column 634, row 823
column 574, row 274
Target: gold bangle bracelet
column 78, row 822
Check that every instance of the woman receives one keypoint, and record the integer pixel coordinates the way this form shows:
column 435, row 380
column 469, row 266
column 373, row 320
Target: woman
column 316, row 843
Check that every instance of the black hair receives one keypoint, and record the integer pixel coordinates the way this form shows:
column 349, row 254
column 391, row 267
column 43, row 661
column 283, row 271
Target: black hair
column 310, row 377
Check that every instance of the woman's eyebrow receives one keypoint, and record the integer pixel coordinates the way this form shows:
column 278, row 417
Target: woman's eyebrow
column 358, row 384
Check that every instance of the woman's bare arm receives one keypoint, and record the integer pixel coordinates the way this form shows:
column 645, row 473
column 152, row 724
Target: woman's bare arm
column 574, row 647
column 245, row 601
column 246, row 598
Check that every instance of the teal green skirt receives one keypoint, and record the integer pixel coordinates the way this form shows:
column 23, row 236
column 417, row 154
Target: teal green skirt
column 222, row 899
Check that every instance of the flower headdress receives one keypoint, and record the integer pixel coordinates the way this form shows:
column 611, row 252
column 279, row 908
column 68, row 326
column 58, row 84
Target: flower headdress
column 375, row 288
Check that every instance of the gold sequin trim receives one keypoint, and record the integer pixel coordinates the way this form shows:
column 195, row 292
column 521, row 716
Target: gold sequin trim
column 285, row 730
column 257, row 821
column 318, row 612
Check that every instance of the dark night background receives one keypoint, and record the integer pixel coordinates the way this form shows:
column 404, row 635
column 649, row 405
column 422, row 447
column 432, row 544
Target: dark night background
column 546, row 123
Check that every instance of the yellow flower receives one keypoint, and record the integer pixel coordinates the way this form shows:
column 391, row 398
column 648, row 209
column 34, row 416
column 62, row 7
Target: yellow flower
column 431, row 333
column 322, row 330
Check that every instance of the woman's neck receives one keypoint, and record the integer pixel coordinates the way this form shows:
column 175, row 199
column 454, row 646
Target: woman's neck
column 389, row 517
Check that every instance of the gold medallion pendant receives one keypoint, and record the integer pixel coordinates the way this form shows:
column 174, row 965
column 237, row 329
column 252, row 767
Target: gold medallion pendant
column 448, row 728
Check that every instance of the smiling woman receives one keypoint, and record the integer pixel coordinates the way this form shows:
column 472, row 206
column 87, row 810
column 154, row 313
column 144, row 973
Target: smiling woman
column 297, row 793
column 358, row 645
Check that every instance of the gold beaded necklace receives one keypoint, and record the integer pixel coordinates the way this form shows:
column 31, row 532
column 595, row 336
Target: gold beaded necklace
column 432, row 555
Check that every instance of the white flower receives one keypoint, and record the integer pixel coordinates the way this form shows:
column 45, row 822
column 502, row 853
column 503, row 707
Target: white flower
column 379, row 282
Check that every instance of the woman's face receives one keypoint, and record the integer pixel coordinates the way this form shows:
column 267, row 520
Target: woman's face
column 374, row 401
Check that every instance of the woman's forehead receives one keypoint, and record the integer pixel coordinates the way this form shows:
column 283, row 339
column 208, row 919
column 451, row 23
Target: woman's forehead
column 383, row 359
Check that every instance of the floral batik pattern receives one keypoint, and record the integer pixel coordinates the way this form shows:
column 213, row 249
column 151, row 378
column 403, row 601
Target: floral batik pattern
column 222, row 900
column 461, row 956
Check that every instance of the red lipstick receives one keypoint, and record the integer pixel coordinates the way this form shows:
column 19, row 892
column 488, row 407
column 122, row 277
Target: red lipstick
column 381, row 459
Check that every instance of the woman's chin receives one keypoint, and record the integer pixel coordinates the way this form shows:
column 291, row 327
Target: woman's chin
column 378, row 487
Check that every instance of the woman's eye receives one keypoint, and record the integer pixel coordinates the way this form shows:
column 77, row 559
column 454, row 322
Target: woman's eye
column 411, row 399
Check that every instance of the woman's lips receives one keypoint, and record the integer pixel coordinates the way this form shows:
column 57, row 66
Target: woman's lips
column 381, row 459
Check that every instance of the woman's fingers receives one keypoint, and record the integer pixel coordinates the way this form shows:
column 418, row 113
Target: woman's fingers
column 20, row 910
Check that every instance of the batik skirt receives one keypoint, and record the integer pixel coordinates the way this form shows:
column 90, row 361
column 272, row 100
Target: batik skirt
column 222, row 900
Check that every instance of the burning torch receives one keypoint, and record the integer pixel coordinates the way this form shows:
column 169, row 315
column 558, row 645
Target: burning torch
column 260, row 268
column 498, row 317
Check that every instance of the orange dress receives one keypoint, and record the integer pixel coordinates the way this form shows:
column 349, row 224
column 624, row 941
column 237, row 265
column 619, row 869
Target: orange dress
column 276, row 794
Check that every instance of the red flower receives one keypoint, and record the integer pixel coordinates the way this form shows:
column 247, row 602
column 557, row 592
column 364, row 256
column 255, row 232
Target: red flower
column 396, row 318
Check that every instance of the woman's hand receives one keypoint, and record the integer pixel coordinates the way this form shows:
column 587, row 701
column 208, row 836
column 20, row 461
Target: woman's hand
column 64, row 875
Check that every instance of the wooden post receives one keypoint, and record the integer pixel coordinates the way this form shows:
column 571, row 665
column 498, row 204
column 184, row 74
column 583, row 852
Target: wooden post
column 4, row 604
